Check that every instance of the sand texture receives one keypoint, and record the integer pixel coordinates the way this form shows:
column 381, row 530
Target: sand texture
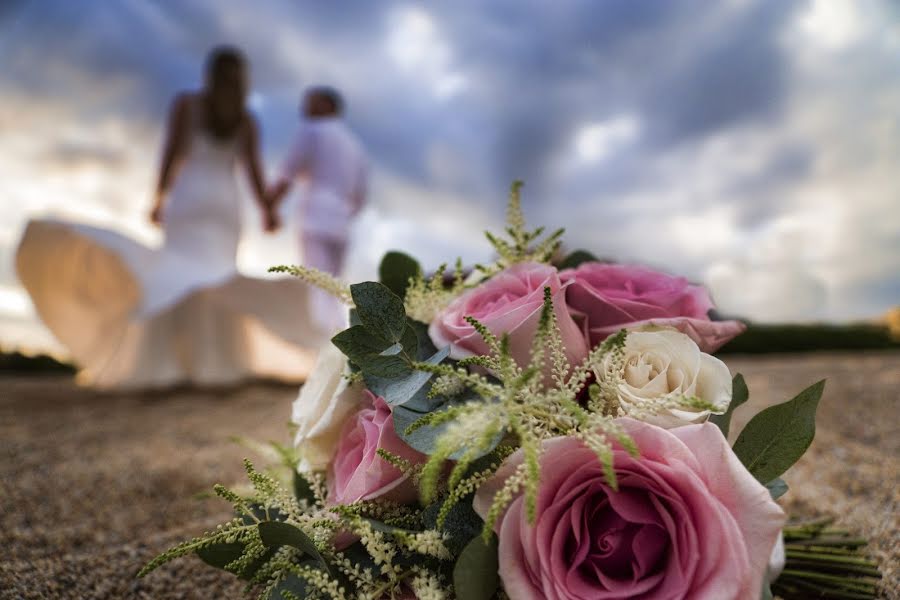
column 94, row 485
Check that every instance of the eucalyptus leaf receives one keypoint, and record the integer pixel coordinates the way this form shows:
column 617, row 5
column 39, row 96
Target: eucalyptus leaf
column 424, row 439
column 426, row 347
column 777, row 488
column 297, row 586
column 576, row 258
column 392, row 350
column 380, row 310
column 739, row 395
column 223, row 554
column 475, row 575
column 279, row 533
column 384, row 527
column 365, row 350
column 461, row 525
column 409, row 342
column 396, row 269
column 357, row 343
column 778, row 436
column 219, row 555
column 386, row 366
column 411, row 389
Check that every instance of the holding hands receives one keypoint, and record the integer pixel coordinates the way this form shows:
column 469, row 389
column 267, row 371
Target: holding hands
column 271, row 219
column 271, row 200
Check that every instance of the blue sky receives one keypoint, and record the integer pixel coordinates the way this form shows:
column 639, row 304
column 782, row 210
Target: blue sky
column 750, row 145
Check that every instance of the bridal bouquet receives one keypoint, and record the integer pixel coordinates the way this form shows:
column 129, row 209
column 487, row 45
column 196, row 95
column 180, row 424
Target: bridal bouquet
column 530, row 430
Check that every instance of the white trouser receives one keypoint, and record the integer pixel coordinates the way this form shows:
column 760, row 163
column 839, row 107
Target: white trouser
column 325, row 253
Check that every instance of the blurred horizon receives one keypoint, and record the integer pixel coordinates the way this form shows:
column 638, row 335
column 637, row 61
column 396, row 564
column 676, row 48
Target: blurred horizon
column 751, row 145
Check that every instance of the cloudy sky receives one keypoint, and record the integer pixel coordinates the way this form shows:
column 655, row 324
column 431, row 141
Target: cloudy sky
column 750, row 145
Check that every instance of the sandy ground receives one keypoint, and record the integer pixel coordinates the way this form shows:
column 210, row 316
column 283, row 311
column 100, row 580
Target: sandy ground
column 94, row 485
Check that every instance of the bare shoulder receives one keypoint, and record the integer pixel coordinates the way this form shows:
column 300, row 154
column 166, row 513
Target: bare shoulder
column 180, row 108
column 182, row 100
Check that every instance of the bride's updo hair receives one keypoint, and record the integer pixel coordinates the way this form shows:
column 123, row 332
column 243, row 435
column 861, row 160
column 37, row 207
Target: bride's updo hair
column 226, row 91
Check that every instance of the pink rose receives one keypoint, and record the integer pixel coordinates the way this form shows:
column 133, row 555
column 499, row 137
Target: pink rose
column 357, row 472
column 688, row 521
column 608, row 297
column 508, row 303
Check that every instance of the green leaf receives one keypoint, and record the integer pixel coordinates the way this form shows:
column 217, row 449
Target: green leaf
column 576, row 258
column 462, row 523
column 766, row 593
column 411, row 388
column 219, row 555
column 296, row 586
column 475, row 575
column 396, row 269
column 778, row 436
column 384, row 527
column 409, row 342
column 392, row 350
column 365, row 350
column 739, row 395
column 357, row 343
column 424, row 439
column 386, row 366
column 777, row 488
column 279, row 533
column 380, row 310
column 426, row 347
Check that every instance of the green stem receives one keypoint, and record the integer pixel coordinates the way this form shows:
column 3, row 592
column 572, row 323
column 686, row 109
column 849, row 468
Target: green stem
column 837, row 569
column 850, row 584
column 812, row 547
column 800, row 589
column 848, row 559
column 836, row 541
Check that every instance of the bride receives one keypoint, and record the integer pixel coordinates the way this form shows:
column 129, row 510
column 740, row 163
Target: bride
column 134, row 316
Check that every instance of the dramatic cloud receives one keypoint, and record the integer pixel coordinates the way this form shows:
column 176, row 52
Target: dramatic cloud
column 751, row 144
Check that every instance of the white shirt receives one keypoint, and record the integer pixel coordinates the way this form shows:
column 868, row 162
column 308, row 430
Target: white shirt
column 328, row 155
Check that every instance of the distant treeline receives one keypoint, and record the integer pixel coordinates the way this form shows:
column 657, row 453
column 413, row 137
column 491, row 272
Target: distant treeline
column 764, row 339
column 16, row 362
column 758, row 339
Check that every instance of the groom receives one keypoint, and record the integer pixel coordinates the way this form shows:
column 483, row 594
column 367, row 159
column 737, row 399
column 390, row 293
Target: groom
column 328, row 156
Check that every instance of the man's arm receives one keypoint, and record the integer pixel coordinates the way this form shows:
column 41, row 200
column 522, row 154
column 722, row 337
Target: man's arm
column 294, row 165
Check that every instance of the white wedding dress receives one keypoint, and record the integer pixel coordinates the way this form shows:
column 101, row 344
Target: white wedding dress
column 134, row 316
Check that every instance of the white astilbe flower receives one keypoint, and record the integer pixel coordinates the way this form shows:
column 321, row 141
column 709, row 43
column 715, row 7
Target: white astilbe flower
column 320, row 279
column 428, row 586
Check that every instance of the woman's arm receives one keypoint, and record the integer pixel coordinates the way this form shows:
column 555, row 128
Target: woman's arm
column 271, row 221
column 252, row 161
column 173, row 149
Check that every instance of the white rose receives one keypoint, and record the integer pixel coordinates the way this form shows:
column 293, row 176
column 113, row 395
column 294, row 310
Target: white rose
column 661, row 366
column 776, row 561
column 324, row 403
